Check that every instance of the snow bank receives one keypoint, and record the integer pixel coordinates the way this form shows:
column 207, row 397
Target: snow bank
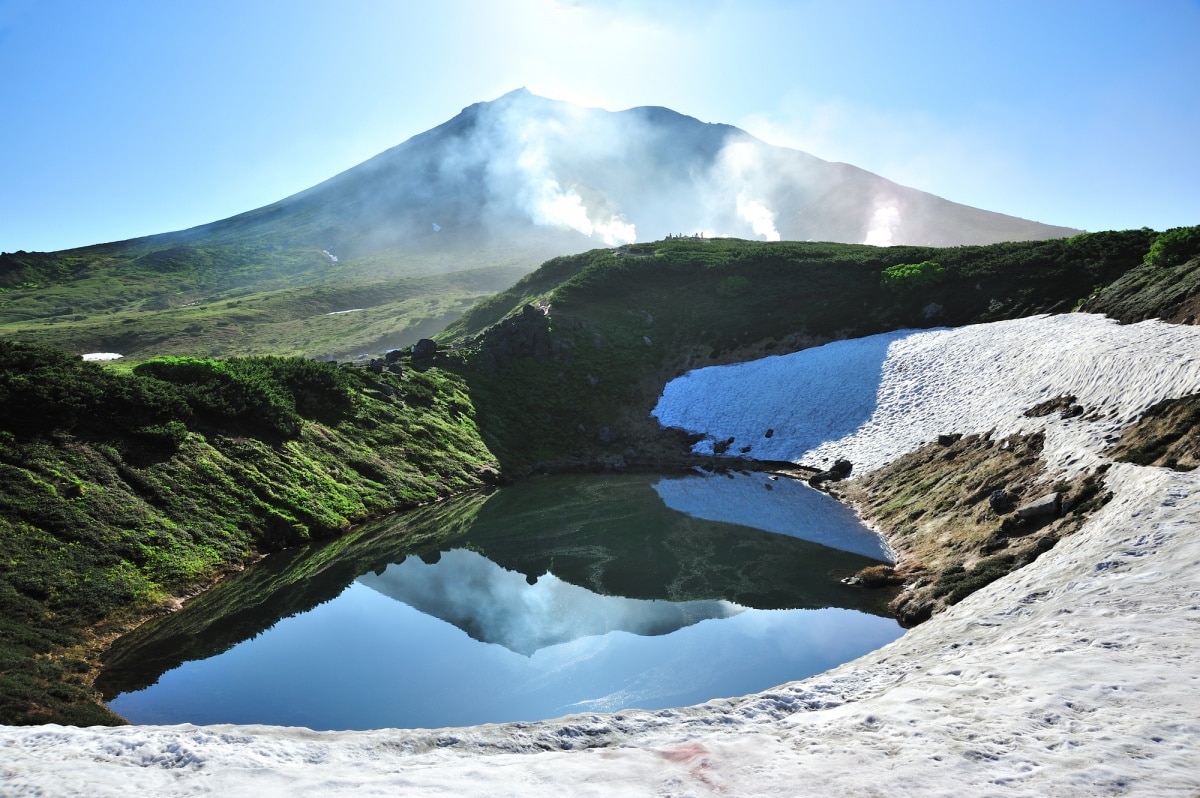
column 102, row 356
column 1076, row 675
column 873, row 399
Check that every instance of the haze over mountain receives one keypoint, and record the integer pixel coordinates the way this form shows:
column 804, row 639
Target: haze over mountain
column 547, row 177
column 417, row 234
column 521, row 161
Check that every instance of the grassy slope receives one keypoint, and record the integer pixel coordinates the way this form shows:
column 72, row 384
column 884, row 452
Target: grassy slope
column 200, row 300
column 587, row 342
column 303, row 322
column 118, row 491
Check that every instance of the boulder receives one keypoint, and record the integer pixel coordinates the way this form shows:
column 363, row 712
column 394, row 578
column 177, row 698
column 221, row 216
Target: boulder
column 720, row 447
column 1000, row 501
column 424, row 348
column 816, row 480
column 1047, row 506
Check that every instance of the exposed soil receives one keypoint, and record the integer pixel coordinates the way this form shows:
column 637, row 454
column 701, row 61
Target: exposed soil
column 949, row 510
column 1167, row 435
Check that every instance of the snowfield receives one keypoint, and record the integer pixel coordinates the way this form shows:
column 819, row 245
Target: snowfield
column 1077, row 675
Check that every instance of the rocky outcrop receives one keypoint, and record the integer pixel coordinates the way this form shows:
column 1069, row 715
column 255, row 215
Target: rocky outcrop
column 1041, row 508
column 424, row 349
column 839, row 471
column 526, row 334
column 1168, row 435
column 965, row 490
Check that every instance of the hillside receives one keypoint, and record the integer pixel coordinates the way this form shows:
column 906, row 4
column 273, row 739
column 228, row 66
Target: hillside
column 589, row 341
column 121, row 491
column 421, row 231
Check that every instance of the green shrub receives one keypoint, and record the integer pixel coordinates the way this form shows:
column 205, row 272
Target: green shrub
column 1174, row 247
column 227, row 393
column 906, row 277
column 734, row 286
column 260, row 393
column 169, row 435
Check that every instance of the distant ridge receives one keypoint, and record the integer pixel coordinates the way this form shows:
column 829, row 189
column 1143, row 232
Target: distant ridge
column 574, row 177
column 639, row 174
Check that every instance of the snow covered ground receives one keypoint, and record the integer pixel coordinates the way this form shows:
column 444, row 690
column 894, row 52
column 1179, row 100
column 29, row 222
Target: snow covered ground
column 1077, row 675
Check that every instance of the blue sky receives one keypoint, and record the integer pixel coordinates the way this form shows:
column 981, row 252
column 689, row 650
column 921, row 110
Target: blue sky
column 125, row 118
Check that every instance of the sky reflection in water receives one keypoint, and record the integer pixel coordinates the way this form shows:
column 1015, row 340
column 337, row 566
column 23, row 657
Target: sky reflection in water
column 463, row 641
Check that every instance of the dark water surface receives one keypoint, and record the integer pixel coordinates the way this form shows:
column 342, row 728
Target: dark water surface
column 556, row 595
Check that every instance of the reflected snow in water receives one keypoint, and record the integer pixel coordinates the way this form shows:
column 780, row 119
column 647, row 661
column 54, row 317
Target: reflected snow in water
column 513, row 617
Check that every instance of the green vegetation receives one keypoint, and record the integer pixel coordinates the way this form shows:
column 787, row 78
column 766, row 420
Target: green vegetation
column 568, row 363
column 344, row 318
column 1174, row 247
column 1166, row 285
column 118, row 490
column 906, row 277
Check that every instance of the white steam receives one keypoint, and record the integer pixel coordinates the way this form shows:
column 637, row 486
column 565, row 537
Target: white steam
column 883, row 225
column 522, row 160
column 741, row 172
column 566, row 209
column 760, row 218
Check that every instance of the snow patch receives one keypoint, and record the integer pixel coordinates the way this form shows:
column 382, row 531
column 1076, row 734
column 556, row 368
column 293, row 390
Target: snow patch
column 873, row 399
column 102, row 356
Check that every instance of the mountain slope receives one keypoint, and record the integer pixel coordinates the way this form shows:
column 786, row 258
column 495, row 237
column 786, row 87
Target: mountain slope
column 616, row 177
column 503, row 185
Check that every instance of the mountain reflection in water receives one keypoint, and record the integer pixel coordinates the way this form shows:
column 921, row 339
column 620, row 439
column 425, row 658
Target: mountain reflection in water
column 555, row 595
column 494, row 605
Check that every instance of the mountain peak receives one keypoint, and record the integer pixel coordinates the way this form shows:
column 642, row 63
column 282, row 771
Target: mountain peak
column 527, row 168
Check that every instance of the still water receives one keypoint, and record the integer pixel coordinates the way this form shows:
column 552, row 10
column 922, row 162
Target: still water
column 556, row 595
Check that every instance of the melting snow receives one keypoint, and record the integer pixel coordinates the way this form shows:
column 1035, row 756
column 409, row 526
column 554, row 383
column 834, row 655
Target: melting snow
column 1076, row 675
column 102, row 356
column 340, row 312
